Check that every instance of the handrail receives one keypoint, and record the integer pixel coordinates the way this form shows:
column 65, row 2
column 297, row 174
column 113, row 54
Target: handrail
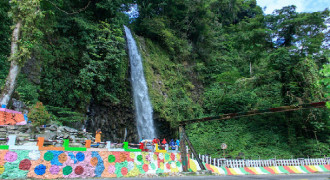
column 240, row 163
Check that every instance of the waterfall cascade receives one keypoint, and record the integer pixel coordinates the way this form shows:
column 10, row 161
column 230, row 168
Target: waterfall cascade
column 143, row 108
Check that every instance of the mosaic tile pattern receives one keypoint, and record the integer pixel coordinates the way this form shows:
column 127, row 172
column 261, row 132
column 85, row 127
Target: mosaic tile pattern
column 71, row 164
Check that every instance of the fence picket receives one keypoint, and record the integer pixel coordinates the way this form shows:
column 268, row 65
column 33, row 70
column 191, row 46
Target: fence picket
column 239, row 163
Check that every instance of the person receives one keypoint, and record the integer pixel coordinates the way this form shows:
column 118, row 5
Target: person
column 141, row 139
column 172, row 144
column 177, row 142
column 164, row 141
column 98, row 136
column 141, row 145
column 154, row 141
column 158, row 141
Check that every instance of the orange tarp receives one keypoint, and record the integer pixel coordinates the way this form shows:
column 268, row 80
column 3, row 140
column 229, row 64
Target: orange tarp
column 7, row 118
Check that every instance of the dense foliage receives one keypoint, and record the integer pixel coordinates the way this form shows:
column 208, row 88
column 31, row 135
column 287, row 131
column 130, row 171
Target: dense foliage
column 227, row 56
column 201, row 58
column 4, row 40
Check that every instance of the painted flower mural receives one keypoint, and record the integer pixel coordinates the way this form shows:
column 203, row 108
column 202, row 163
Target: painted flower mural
column 70, row 164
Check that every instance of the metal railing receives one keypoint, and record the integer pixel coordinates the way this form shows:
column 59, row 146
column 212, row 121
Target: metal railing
column 239, row 163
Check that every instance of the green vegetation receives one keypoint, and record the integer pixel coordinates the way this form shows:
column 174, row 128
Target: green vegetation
column 201, row 58
column 169, row 87
column 4, row 40
column 206, row 58
column 38, row 115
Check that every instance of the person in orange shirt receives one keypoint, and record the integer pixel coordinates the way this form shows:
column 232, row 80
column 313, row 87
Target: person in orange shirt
column 98, row 136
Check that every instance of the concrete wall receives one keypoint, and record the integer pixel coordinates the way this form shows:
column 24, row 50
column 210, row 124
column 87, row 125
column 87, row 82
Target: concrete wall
column 52, row 164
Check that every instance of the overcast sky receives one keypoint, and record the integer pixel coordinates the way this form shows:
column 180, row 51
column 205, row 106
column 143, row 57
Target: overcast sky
column 302, row 5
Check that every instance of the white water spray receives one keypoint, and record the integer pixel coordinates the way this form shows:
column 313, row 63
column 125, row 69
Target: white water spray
column 143, row 108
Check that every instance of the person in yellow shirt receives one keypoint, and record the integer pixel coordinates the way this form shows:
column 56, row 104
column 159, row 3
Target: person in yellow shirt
column 98, row 136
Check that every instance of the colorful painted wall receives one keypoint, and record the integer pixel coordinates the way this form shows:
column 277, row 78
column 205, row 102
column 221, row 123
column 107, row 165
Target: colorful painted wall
column 72, row 164
column 193, row 166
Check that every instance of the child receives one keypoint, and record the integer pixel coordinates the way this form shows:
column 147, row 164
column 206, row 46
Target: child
column 98, row 136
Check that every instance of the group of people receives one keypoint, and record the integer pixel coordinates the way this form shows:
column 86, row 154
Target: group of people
column 172, row 144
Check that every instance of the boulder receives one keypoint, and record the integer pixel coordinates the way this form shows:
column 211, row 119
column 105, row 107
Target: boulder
column 70, row 130
column 73, row 138
column 53, row 127
column 18, row 105
column 23, row 128
column 11, row 128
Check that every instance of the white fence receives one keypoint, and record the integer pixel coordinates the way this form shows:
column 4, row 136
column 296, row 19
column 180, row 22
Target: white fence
column 238, row 163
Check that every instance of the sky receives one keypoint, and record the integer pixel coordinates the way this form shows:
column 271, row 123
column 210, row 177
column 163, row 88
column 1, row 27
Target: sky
column 302, row 5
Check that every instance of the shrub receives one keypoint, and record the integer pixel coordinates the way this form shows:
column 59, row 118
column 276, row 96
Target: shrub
column 38, row 114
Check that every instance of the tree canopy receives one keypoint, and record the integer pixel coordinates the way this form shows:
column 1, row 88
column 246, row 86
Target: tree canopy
column 201, row 58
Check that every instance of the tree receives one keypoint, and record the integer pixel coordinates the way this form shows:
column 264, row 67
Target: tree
column 252, row 39
column 4, row 39
column 326, row 80
column 304, row 31
column 298, row 38
column 25, row 14
column 39, row 115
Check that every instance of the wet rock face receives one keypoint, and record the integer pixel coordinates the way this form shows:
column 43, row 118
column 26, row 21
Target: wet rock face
column 116, row 122
column 164, row 129
column 32, row 68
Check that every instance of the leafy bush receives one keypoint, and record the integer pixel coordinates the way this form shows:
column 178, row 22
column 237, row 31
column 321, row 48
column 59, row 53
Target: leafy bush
column 28, row 91
column 38, row 115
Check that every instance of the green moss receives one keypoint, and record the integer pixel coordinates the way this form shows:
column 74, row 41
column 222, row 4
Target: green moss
column 169, row 84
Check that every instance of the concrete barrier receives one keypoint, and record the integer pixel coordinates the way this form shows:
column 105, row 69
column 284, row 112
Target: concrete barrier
column 52, row 164
column 193, row 166
column 12, row 144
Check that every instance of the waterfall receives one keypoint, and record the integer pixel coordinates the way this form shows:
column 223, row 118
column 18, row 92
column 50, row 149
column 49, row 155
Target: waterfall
column 143, row 108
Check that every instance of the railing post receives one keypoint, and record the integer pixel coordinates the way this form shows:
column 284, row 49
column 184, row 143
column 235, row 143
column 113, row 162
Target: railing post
column 108, row 146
